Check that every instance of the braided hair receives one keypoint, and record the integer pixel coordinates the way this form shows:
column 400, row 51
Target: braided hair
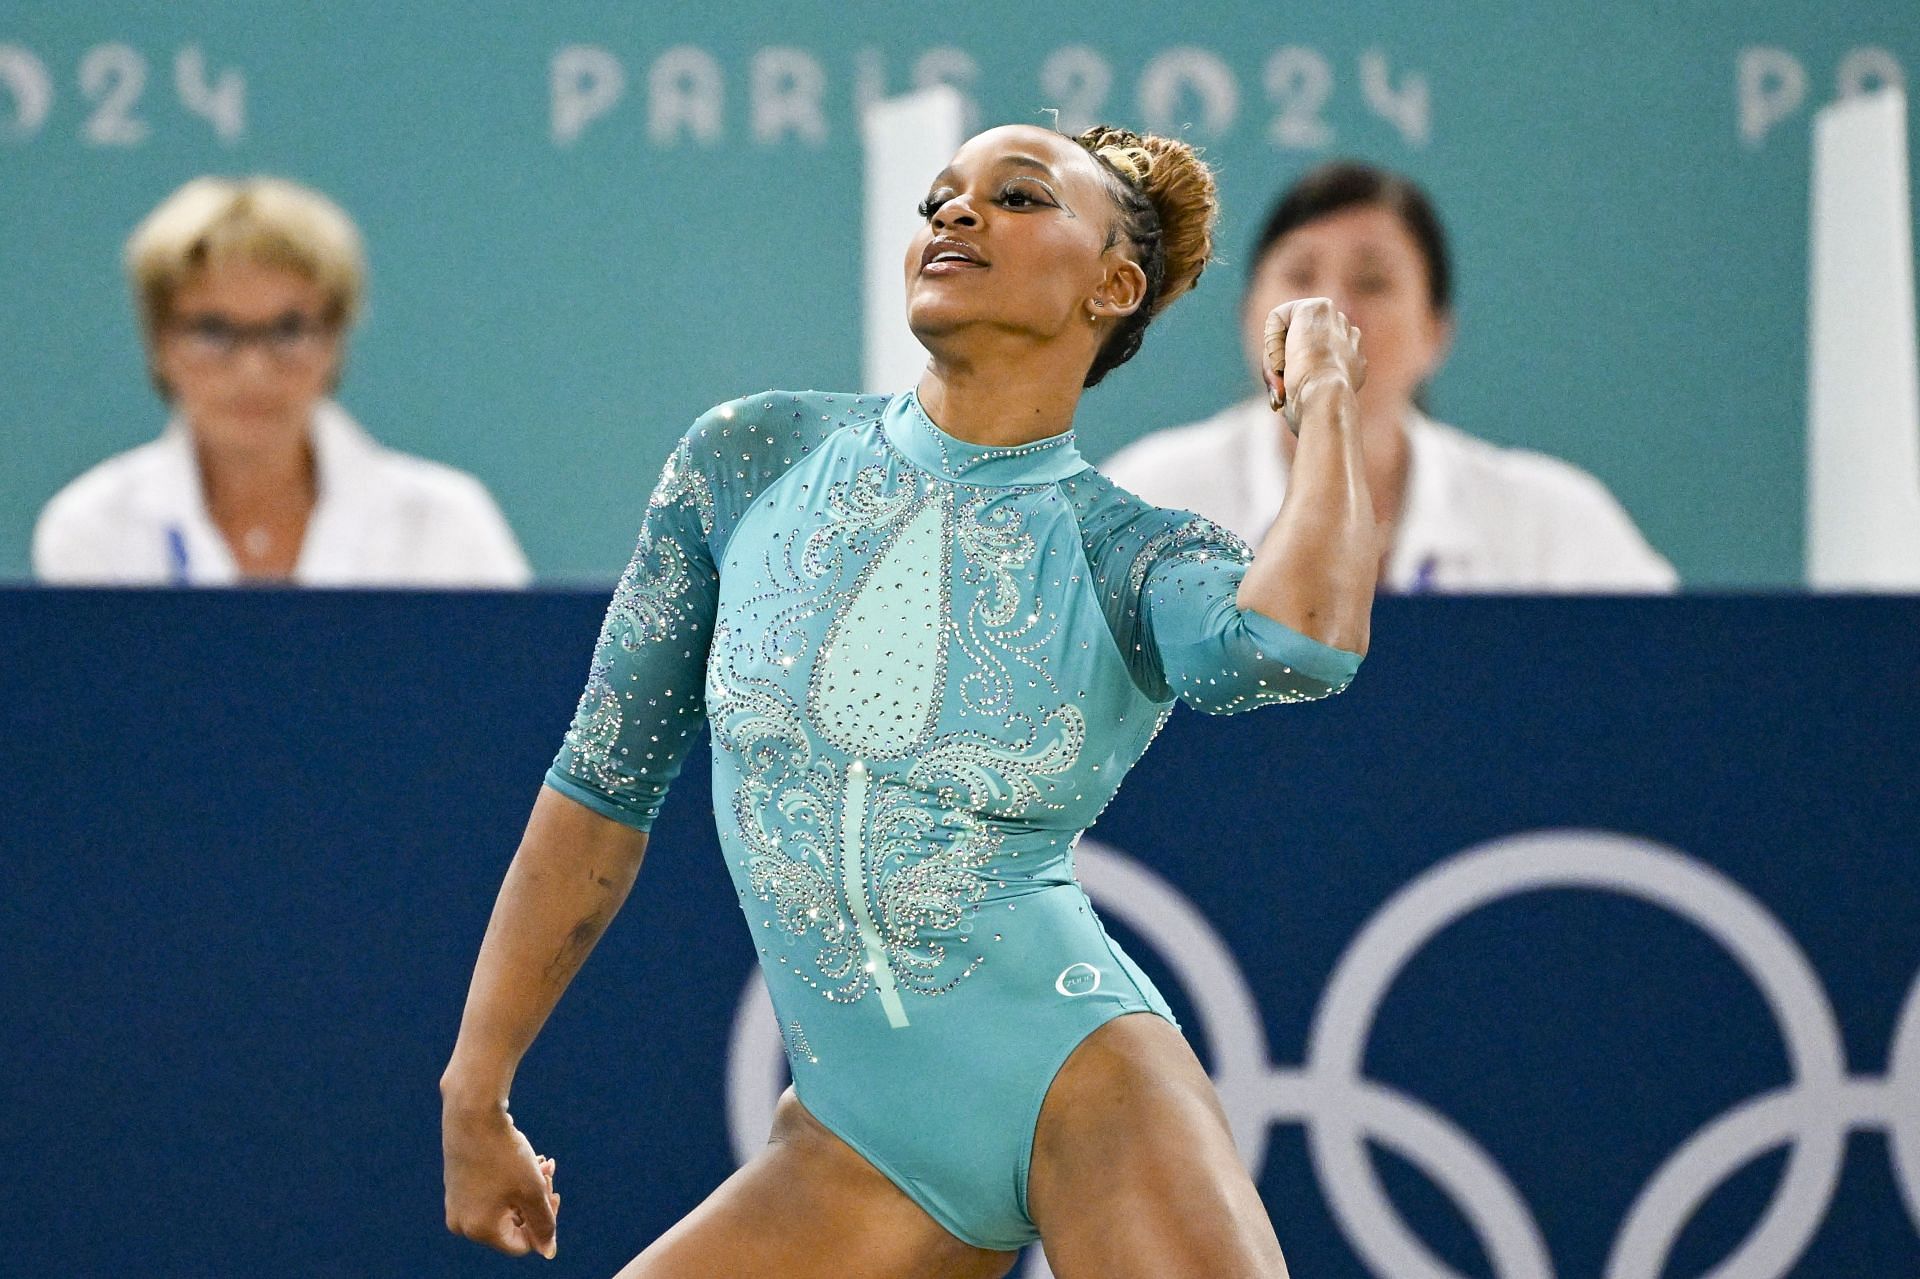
column 1168, row 205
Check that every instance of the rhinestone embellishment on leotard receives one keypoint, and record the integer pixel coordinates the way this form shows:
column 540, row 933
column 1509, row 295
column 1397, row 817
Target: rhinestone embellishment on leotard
column 959, row 469
column 973, row 460
column 652, row 604
column 909, row 688
column 833, row 803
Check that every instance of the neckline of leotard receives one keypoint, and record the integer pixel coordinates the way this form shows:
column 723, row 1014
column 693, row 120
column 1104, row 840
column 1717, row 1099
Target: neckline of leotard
column 909, row 429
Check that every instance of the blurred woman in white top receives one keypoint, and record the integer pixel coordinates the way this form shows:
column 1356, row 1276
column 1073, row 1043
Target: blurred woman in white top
column 1457, row 513
column 246, row 292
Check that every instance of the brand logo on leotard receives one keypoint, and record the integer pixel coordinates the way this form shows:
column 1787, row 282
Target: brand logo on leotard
column 1077, row 980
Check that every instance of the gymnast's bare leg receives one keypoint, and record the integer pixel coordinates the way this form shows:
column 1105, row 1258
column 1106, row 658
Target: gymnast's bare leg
column 809, row 1207
column 1134, row 1171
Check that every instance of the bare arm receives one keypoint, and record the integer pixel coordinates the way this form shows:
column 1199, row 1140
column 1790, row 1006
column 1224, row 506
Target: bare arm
column 1316, row 568
column 568, row 879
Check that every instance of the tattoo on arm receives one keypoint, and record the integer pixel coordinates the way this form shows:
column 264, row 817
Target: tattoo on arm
column 573, row 951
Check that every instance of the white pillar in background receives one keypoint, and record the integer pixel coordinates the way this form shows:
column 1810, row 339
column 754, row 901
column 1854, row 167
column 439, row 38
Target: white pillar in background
column 1863, row 393
column 907, row 140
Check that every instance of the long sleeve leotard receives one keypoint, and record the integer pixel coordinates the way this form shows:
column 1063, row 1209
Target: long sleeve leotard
column 926, row 666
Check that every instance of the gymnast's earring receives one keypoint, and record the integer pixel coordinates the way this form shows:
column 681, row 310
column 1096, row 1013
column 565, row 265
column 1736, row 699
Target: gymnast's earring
column 1091, row 317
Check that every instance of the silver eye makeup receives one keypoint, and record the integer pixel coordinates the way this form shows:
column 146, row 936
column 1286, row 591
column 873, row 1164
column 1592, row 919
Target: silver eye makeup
column 1018, row 193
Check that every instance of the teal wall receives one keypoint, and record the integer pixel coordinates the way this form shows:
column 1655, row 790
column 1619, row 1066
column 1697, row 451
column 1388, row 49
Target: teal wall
column 1631, row 267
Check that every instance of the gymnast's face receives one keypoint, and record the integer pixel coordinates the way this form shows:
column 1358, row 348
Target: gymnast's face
column 247, row 353
column 1015, row 244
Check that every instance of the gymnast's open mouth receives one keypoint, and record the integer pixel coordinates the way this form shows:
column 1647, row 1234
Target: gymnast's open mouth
column 946, row 254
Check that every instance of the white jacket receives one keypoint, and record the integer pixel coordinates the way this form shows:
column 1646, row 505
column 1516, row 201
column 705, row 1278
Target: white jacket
column 381, row 518
column 1477, row 517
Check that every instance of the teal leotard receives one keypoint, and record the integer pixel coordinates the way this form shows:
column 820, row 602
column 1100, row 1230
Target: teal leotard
column 926, row 666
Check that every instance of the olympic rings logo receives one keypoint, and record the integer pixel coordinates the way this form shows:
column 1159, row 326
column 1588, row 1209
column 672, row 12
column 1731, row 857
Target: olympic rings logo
column 1341, row 1111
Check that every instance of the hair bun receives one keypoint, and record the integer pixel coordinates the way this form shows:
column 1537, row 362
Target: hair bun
column 1179, row 185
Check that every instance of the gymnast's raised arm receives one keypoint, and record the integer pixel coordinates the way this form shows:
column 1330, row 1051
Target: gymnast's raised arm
column 1315, row 569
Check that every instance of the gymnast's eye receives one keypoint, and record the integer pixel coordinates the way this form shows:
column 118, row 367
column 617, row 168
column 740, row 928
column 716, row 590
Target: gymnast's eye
column 1026, row 193
column 932, row 203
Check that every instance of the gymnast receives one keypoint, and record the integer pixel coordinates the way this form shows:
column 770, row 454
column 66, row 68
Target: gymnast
column 928, row 641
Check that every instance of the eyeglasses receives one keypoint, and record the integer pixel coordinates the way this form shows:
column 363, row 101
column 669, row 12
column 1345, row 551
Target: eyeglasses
column 293, row 338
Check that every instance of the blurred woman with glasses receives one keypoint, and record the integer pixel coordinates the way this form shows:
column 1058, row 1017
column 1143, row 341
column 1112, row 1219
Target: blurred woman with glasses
column 246, row 291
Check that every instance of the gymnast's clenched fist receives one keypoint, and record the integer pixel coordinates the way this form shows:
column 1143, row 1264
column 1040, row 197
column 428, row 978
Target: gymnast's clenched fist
column 1307, row 339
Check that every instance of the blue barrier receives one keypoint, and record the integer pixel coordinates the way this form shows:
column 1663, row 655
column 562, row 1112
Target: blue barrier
column 1558, row 887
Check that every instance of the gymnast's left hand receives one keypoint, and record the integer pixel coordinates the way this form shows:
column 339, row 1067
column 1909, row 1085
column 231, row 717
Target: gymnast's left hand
column 499, row 1192
column 1307, row 339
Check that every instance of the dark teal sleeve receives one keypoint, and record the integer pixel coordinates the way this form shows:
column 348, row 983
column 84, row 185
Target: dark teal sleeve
column 1216, row 656
column 644, row 700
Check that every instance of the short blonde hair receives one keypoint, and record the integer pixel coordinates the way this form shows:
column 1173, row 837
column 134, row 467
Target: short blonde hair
column 263, row 221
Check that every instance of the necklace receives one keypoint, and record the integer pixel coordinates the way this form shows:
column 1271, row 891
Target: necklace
column 256, row 542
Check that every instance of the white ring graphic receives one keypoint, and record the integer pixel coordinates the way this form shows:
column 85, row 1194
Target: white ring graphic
column 1811, row 1115
column 1060, row 982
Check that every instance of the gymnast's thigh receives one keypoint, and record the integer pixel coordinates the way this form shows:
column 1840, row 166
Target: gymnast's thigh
column 1134, row 1172
column 809, row 1207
